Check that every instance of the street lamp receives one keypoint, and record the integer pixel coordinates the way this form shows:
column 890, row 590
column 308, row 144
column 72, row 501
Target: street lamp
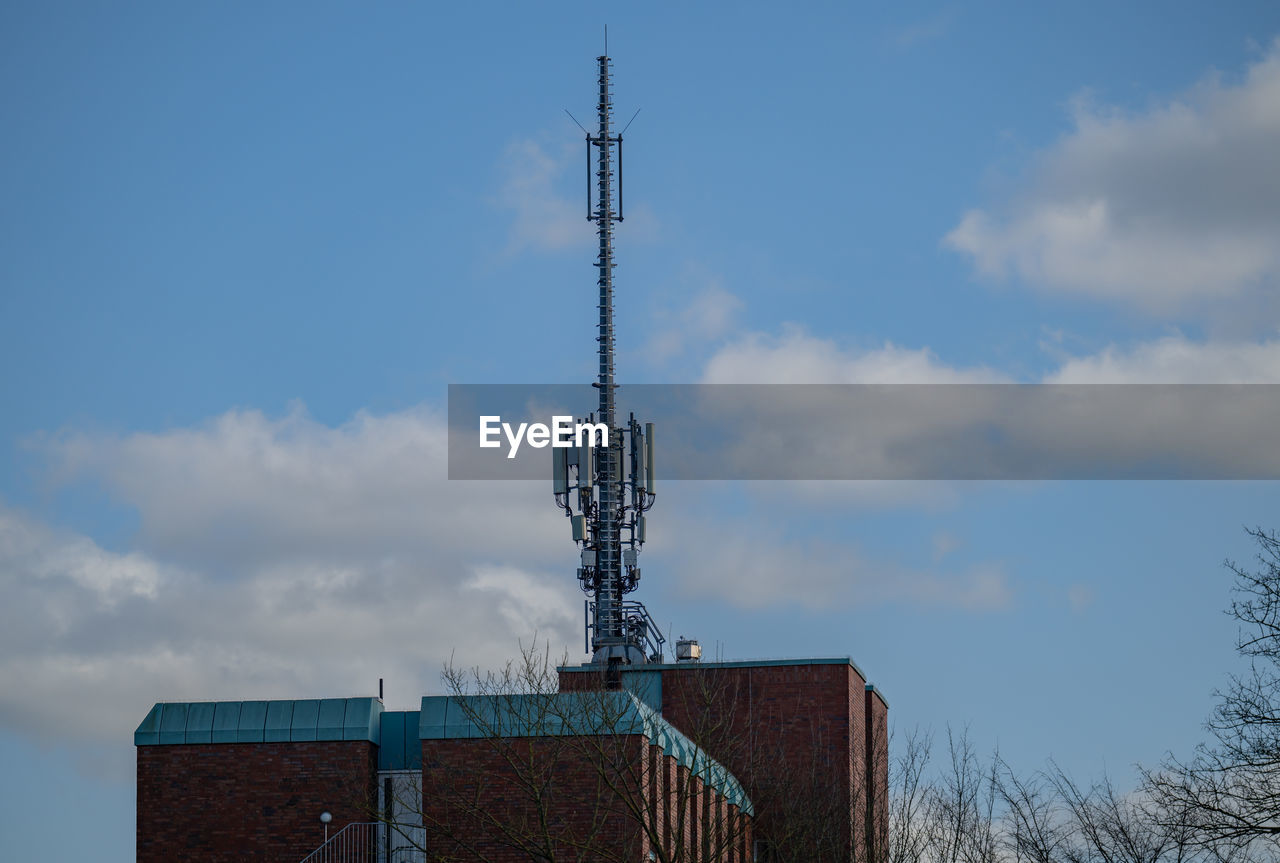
column 325, row 818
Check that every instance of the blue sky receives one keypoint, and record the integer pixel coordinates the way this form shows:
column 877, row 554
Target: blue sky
column 246, row 248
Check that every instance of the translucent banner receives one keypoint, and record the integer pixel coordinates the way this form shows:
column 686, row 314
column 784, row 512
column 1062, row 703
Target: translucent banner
column 884, row 432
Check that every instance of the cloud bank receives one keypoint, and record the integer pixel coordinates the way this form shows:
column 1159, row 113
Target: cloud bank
column 1161, row 209
column 274, row 558
column 281, row 557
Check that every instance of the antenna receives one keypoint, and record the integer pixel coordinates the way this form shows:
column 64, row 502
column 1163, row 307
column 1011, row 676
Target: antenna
column 605, row 504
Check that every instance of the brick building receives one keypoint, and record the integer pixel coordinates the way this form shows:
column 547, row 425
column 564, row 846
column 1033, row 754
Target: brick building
column 631, row 759
column 806, row 738
column 728, row 761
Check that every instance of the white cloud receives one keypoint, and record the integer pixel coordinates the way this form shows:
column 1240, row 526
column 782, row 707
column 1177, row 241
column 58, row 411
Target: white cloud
column 705, row 319
column 547, row 208
column 282, row 557
column 526, row 603
column 944, row 543
column 768, row 432
column 795, row 356
column 988, row 432
column 1079, row 597
column 275, row 558
column 247, row 487
column 1161, row 208
column 927, row 30
column 76, row 563
column 544, row 218
column 1175, row 360
column 759, row 567
column 286, row 558
column 859, row 494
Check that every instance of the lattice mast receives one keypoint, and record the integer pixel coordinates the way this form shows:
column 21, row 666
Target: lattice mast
column 606, row 505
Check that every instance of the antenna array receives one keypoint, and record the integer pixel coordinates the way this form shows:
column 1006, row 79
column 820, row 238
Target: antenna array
column 606, row 505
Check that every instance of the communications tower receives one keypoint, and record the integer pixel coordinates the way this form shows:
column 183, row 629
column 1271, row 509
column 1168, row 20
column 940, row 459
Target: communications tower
column 606, row 490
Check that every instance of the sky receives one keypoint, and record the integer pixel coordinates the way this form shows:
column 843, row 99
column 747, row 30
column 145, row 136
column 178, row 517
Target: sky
column 246, row 248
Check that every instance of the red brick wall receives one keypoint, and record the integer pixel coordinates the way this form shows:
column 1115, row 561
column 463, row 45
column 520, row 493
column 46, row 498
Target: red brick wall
column 656, row 773
column 795, row 736
column 677, row 823
column 247, row 801
column 476, row 793
column 693, row 809
column 877, row 747
column 478, row 800
column 858, row 783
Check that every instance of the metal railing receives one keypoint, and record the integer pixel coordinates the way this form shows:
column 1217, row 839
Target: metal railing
column 634, row 621
column 355, row 843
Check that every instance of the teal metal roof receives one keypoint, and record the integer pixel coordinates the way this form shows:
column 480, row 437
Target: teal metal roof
column 646, row 684
column 447, row 717
column 261, row 721
column 400, row 748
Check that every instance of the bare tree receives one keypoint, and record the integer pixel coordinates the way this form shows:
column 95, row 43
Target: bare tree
column 1228, row 792
column 971, row 810
column 944, row 815
column 964, row 826
column 1035, row 826
column 1222, row 805
column 560, row 778
column 1109, row 827
column 911, row 800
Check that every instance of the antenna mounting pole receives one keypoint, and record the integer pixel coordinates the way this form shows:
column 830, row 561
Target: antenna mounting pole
column 608, row 591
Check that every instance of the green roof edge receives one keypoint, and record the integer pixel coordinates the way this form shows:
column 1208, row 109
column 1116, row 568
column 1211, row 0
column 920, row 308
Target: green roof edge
column 444, row 717
column 170, row 723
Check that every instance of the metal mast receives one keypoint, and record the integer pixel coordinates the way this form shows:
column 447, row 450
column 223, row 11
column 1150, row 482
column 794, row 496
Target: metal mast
column 610, row 504
column 608, row 622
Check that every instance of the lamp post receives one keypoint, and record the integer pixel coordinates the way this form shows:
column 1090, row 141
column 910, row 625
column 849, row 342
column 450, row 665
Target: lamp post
column 325, row 818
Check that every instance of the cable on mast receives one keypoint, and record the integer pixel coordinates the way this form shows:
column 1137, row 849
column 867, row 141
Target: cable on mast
column 579, row 125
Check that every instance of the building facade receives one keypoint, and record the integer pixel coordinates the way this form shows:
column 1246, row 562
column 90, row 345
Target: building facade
column 724, row 761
